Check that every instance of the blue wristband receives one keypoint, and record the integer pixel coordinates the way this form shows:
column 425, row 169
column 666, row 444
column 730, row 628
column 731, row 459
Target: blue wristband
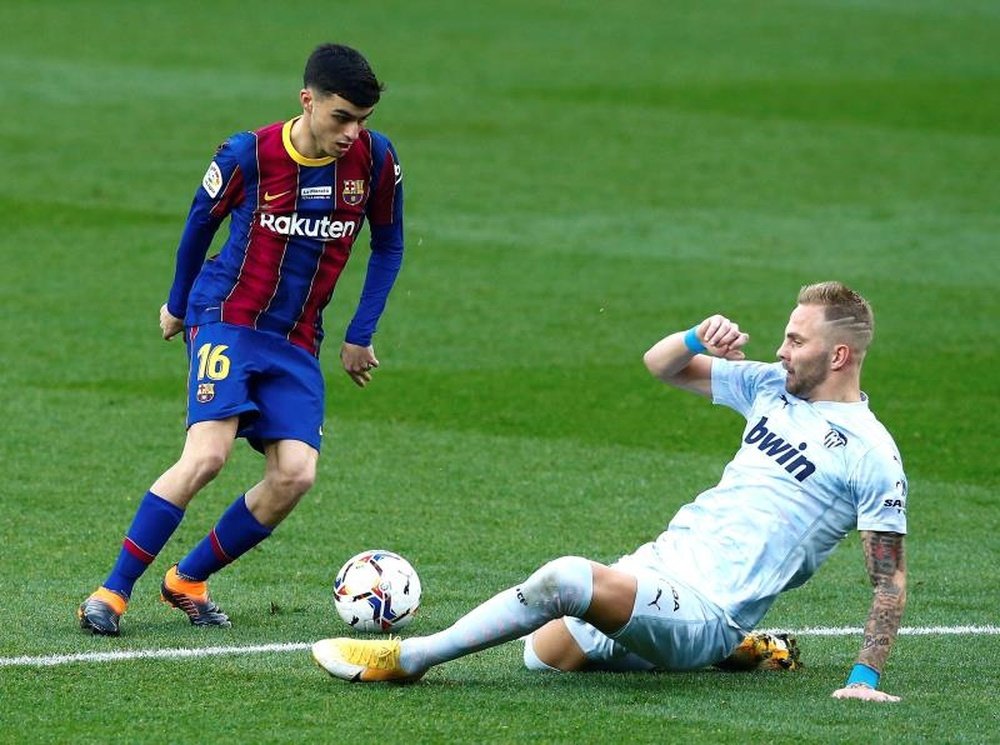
column 864, row 674
column 692, row 342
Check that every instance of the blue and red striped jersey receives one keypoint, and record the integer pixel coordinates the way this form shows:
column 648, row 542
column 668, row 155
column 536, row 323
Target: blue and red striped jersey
column 293, row 221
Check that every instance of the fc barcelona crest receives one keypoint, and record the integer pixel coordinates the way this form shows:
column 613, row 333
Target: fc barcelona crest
column 206, row 392
column 354, row 191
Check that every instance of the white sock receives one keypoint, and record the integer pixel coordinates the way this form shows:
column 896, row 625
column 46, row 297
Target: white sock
column 531, row 659
column 563, row 587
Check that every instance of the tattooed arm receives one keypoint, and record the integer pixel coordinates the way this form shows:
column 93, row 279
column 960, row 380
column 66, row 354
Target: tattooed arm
column 886, row 562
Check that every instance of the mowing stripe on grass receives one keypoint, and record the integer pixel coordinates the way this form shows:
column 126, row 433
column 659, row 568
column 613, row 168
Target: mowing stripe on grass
column 145, row 654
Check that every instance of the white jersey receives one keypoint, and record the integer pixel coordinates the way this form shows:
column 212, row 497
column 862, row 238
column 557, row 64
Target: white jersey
column 805, row 474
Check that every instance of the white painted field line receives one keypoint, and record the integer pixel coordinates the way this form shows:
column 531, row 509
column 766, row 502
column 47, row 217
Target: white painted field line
column 170, row 654
column 904, row 631
column 147, row 654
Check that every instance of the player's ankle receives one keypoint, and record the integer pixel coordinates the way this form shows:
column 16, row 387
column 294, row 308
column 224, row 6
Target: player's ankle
column 412, row 657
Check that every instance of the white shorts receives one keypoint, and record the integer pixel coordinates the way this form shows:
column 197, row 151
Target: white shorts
column 672, row 626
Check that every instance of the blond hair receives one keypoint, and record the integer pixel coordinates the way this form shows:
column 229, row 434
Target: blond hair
column 845, row 311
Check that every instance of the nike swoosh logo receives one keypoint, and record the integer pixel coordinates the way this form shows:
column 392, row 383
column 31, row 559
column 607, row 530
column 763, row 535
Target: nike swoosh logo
column 272, row 197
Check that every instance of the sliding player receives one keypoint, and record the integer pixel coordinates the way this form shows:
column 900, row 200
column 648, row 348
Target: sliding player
column 814, row 463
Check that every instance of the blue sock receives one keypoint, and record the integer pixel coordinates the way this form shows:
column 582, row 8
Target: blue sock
column 236, row 533
column 155, row 521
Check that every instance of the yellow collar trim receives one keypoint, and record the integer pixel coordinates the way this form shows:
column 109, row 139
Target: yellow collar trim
column 286, row 139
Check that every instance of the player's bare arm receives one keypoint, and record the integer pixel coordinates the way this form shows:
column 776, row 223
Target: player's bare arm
column 885, row 560
column 358, row 362
column 886, row 563
column 170, row 324
column 673, row 361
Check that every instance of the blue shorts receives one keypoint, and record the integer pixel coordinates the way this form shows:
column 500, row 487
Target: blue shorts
column 274, row 387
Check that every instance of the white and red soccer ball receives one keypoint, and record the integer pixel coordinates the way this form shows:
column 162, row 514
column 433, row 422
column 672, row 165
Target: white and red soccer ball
column 376, row 590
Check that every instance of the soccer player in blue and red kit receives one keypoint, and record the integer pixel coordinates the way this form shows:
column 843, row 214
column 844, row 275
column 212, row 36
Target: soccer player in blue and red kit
column 297, row 194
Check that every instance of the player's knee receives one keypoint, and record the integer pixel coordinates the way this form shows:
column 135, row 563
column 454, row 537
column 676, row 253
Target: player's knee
column 293, row 480
column 302, row 480
column 564, row 586
column 205, row 464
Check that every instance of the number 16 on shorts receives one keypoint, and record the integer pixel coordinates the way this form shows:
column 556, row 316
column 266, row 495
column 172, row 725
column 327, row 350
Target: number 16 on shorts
column 213, row 365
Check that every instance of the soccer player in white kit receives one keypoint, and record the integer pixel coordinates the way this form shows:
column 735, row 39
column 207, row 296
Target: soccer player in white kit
column 814, row 463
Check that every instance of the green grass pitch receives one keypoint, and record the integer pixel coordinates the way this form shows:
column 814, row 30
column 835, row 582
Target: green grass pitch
column 581, row 179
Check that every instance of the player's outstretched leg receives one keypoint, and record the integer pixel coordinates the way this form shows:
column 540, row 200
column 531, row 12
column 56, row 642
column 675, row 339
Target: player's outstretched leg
column 191, row 597
column 563, row 587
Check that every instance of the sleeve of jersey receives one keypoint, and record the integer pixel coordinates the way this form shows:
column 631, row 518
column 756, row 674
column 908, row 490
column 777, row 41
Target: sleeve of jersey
column 385, row 214
column 735, row 384
column 880, row 490
column 220, row 192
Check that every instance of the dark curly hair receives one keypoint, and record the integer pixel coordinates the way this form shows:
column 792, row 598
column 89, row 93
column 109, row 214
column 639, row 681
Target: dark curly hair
column 341, row 70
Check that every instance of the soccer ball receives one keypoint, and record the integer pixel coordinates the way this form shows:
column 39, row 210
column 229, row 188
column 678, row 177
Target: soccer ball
column 376, row 590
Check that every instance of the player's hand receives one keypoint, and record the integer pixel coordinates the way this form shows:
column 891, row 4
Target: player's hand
column 358, row 362
column 864, row 693
column 722, row 337
column 170, row 324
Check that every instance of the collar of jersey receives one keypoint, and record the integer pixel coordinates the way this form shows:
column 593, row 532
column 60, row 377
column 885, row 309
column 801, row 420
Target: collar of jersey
column 861, row 403
column 286, row 139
